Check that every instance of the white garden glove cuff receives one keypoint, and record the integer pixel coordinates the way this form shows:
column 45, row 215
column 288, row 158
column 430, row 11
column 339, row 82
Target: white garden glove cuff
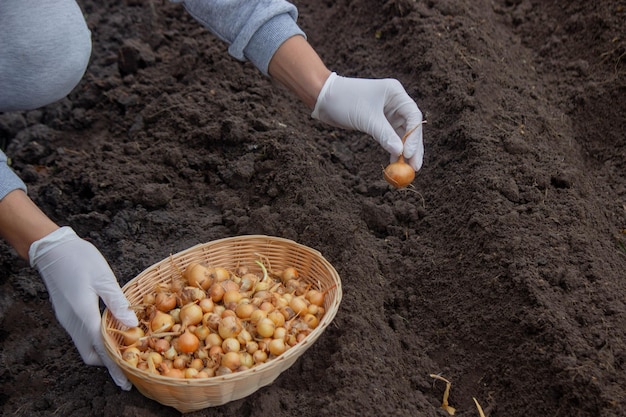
column 76, row 276
column 379, row 107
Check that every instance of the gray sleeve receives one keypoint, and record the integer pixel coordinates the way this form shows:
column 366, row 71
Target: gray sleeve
column 9, row 181
column 254, row 30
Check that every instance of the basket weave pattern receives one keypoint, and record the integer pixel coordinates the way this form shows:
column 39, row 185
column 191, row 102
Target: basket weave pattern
column 188, row 395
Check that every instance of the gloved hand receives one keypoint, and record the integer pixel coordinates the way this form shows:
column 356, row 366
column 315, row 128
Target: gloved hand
column 381, row 108
column 76, row 274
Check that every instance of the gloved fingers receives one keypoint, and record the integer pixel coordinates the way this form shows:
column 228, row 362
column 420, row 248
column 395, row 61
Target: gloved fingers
column 386, row 135
column 82, row 322
column 92, row 350
column 115, row 371
column 417, row 159
column 75, row 314
column 108, row 289
column 399, row 107
column 414, row 148
column 414, row 125
column 404, row 115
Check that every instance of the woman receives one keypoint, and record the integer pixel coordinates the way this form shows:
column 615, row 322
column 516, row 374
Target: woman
column 44, row 51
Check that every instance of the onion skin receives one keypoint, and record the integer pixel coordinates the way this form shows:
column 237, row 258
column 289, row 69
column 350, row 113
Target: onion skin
column 188, row 342
column 399, row 174
column 131, row 356
column 191, row 314
column 315, row 297
column 131, row 335
column 165, row 301
column 289, row 273
column 161, row 322
column 229, row 327
column 277, row 347
column 198, row 276
column 231, row 360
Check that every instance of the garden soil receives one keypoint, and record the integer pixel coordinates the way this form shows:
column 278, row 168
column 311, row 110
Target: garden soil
column 502, row 269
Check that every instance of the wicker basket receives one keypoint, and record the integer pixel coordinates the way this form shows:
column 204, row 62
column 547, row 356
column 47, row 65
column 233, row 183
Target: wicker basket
column 188, row 395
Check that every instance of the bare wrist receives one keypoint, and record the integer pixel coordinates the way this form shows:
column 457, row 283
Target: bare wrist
column 297, row 66
column 22, row 222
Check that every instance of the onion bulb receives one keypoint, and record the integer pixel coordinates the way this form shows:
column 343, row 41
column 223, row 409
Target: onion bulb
column 245, row 310
column 257, row 315
column 277, row 346
column 242, row 270
column 131, row 335
column 197, row 364
column 170, row 354
column 215, row 352
column 280, row 333
column 180, row 362
column 248, row 282
column 190, row 314
column 165, row 301
column 244, row 337
column 213, row 339
column 231, row 345
column 317, row 297
column 149, row 298
column 219, row 274
column 171, row 372
column 216, row 292
column 191, row 294
column 231, row 360
column 277, row 317
column 288, row 274
column 161, row 322
column 259, row 356
column 161, row 345
column 400, row 174
column 154, row 359
column 131, row 356
column 198, row 276
column 299, row 305
column 232, row 296
column 202, row 332
column 265, row 327
column 252, row 347
column 246, row 359
column 207, row 305
column 229, row 327
column 311, row 320
column 188, row 342
column 223, row 370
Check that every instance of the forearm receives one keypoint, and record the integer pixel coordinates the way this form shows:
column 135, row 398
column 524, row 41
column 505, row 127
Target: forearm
column 297, row 66
column 22, row 222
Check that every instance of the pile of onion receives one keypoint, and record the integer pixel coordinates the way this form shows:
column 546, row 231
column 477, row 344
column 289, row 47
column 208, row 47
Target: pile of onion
column 210, row 321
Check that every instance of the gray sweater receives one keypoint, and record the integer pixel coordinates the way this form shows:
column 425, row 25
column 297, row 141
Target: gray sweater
column 253, row 30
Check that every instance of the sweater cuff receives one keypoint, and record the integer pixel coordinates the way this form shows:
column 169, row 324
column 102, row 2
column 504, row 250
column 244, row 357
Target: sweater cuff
column 266, row 41
column 9, row 181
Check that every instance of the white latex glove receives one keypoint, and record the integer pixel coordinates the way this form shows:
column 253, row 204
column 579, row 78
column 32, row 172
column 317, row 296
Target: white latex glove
column 379, row 107
column 76, row 275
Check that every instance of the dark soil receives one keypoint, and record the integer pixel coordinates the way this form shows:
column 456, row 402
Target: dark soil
column 503, row 270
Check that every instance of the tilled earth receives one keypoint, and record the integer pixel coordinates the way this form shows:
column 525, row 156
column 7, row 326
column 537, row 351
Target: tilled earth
column 502, row 270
